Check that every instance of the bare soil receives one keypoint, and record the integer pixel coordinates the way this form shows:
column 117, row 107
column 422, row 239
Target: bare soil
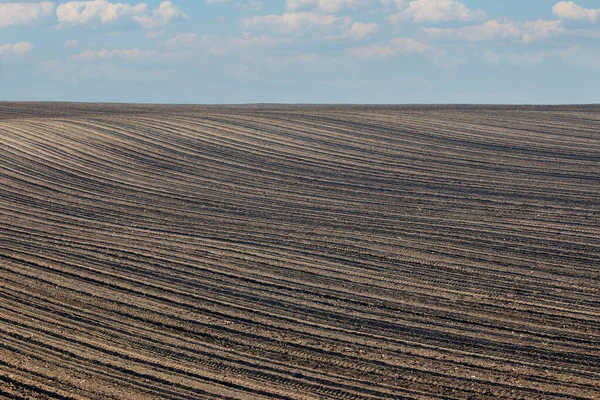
column 299, row 252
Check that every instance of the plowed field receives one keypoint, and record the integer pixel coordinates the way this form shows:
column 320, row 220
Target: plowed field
column 308, row 252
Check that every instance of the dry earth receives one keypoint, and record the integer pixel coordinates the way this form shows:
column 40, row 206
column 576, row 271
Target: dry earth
column 299, row 252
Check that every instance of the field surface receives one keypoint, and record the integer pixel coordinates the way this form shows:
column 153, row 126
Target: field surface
column 308, row 252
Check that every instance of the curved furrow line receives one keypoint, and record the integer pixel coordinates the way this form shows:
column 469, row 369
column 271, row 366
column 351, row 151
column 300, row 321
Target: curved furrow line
column 445, row 227
column 216, row 290
column 276, row 379
column 406, row 157
column 561, row 250
column 415, row 144
column 301, row 252
column 214, row 360
column 220, row 282
column 525, row 370
column 278, row 301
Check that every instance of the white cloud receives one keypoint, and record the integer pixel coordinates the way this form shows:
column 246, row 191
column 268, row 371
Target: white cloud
column 436, row 11
column 532, row 59
column 257, row 41
column 154, row 34
column 71, row 43
column 371, row 52
column 103, row 11
column 299, row 23
column 104, row 55
column 571, row 55
column 326, row 26
column 166, row 13
column 245, row 4
column 84, row 12
column 191, row 39
column 359, row 31
column 527, row 31
column 19, row 49
column 396, row 46
column 394, row 3
column 12, row 14
column 570, row 10
column 528, row 58
column 73, row 72
column 410, row 45
column 330, row 6
column 193, row 44
column 181, row 40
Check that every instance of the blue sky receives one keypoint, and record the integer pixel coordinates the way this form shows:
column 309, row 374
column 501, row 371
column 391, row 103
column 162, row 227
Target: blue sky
column 301, row 51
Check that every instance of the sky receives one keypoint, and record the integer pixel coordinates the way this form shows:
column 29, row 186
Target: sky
column 301, row 51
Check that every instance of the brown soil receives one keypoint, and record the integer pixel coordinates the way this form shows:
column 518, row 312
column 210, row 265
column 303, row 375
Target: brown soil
column 274, row 252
